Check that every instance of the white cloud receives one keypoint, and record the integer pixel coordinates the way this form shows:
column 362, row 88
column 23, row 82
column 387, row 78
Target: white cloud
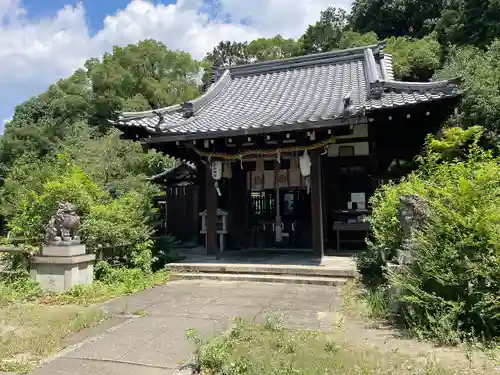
column 286, row 17
column 34, row 53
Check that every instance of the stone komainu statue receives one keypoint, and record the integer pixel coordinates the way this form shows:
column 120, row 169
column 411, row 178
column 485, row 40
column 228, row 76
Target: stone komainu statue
column 63, row 224
column 414, row 214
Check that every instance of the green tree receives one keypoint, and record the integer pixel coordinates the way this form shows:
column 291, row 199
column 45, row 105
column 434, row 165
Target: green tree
column 41, row 123
column 480, row 73
column 263, row 49
column 119, row 165
column 59, row 147
column 114, row 164
column 389, row 18
column 224, row 55
column 352, row 39
column 140, row 76
column 136, row 77
column 414, row 60
column 28, row 174
column 228, row 53
column 325, row 34
column 475, row 22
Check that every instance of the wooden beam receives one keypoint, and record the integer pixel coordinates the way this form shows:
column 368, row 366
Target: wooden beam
column 316, row 204
column 211, row 203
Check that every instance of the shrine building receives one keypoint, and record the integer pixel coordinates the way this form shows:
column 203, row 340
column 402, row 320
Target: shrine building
column 286, row 153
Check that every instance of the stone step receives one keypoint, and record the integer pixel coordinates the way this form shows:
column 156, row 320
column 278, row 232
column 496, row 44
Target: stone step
column 258, row 269
column 286, row 279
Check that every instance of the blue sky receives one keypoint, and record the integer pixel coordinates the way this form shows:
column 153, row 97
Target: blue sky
column 96, row 10
column 45, row 40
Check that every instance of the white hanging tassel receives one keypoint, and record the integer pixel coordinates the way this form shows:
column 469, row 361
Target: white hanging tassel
column 218, row 189
column 305, row 169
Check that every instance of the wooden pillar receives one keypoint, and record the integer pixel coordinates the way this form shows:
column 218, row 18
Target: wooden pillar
column 316, row 204
column 211, row 204
column 194, row 210
column 238, row 207
column 278, row 235
column 324, row 203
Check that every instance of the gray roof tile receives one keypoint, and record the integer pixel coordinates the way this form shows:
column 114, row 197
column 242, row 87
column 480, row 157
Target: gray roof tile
column 276, row 94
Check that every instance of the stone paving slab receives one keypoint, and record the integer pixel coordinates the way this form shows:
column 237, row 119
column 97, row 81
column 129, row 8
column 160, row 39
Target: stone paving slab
column 155, row 344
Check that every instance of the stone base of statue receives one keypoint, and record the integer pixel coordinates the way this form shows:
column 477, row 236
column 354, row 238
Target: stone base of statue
column 394, row 292
column 62, row 265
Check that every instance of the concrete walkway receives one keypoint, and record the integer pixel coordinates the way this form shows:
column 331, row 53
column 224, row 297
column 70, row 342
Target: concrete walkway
column 155, row 343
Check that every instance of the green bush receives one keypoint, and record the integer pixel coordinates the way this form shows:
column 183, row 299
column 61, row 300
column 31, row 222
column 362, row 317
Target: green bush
column 452, row 289
column 36, row 208
column 386, row 230
column 122, row 226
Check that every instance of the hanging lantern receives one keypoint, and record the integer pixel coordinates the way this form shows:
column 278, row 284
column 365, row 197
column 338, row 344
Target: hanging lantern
column 305, row 164
column 217, row 174
column 305, row 169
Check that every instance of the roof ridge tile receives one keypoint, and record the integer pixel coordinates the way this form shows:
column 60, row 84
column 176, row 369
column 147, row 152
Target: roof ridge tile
column 311, row 58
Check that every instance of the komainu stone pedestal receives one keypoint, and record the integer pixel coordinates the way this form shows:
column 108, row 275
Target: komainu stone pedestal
column 63, row 265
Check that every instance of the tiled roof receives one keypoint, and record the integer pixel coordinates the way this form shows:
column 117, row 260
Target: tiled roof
column 182, row 174
column 191, row 167
column 277, row 94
